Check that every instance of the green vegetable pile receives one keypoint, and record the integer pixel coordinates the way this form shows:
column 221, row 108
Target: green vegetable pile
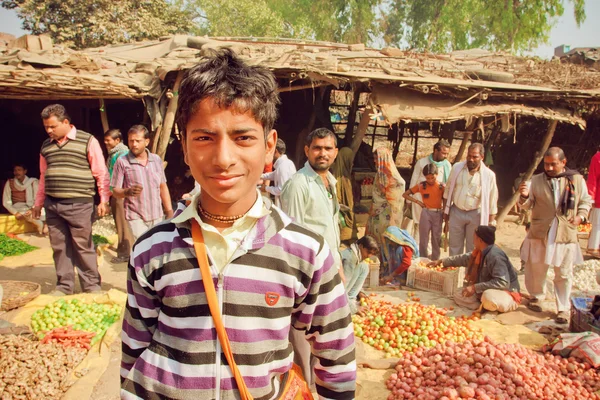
column 13, row 247
column 99, row 239
column 81, row 316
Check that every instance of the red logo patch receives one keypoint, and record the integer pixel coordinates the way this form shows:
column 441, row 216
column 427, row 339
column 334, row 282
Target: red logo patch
column 271, row 298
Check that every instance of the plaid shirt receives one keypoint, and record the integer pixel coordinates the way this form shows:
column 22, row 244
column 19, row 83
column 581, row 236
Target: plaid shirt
column 128, row 172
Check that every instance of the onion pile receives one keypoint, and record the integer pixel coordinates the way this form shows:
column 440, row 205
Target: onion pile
column 484, row 370
column 584, row 276
column 104, row 226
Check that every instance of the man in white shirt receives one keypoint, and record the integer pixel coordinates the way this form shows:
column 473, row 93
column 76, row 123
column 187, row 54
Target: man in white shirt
column 19, row 195
column 283, row 168
column 470, row 200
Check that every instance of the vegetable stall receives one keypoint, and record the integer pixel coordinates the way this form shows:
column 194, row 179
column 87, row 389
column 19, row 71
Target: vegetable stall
column 434, row 355
column 63, row 346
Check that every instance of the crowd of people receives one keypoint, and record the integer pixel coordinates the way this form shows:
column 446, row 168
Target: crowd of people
column 284, row 290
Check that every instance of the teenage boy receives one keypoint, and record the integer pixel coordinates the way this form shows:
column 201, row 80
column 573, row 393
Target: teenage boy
column 270, row 274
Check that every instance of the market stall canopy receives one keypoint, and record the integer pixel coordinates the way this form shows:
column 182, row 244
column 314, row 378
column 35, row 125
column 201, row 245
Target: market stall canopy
column 32, row 68
column 400, row 104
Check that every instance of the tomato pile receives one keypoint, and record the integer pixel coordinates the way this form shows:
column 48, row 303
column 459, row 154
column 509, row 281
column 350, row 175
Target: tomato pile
column 587, row 228
column 484, row 370
column 439, row 268
column 398, row 328
column 81, row 316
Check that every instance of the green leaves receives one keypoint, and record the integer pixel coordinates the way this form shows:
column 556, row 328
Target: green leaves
column 426, row 25
column 446, row 25
column 13, row 247
column 81, row 24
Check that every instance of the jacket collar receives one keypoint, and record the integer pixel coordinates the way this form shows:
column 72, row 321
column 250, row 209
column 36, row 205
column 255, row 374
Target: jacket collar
column 486, row 251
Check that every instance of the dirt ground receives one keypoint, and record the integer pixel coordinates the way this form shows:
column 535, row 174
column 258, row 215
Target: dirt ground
column 509, row 237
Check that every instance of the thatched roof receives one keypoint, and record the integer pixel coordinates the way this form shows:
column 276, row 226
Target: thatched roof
column 132, row 70
column 138, row 69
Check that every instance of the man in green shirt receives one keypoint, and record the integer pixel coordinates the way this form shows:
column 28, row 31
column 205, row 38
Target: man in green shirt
column 310, row 198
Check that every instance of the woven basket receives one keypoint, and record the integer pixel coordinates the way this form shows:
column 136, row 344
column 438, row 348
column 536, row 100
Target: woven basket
column 13, row 293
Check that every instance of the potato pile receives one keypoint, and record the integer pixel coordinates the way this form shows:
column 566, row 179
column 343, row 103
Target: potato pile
column 32, row 370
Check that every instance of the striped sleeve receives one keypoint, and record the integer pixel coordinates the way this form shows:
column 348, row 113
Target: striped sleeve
column 325, row 315
column 141, row 313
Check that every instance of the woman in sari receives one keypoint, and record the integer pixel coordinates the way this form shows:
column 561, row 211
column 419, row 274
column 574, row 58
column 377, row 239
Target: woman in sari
column 388, row 202
column 402, row 250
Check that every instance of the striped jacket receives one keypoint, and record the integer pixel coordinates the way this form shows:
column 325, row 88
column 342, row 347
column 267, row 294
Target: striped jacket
column 282, row 275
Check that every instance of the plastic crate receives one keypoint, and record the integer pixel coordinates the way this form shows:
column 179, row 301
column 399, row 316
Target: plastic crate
column 366, row 190
column 446, row 283
column 582, row 319
column 372, row 280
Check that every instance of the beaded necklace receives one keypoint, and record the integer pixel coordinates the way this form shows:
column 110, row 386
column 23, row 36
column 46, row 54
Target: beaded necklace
column 219, row 218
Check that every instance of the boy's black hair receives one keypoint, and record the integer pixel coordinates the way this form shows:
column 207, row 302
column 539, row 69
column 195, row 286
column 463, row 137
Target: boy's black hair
column 430, row 169
column 369, row 243
column 229, row 81
column 114, row 134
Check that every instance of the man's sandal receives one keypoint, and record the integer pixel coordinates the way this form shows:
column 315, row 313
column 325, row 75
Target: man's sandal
column 562, row 317
column 534, row 305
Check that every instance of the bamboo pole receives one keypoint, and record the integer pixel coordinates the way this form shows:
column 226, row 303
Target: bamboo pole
column 103, row 117
column 539, row 155
column 361, row 131
column 167, row 127
column 415, row 153
column 352, row 116
column 463, row 146
column 155, row 138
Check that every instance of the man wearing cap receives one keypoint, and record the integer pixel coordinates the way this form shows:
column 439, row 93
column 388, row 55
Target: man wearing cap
column 491, row 280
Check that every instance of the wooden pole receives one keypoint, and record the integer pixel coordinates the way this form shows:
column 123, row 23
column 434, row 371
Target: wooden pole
column 361, row 131
column 539, row 155
column 167, row 127
column 415, row 153
column 154, row 144
column 352, row 117
column 103, row 116
column 463, row 146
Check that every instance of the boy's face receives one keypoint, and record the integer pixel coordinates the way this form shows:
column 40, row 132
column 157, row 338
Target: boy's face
column 226, row 152
column 431, row 179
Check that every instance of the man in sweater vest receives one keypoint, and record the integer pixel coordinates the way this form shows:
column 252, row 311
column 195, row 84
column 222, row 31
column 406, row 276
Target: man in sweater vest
column 71, row 165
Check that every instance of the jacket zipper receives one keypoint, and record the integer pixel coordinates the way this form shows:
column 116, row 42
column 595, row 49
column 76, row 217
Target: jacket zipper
column 218, row 355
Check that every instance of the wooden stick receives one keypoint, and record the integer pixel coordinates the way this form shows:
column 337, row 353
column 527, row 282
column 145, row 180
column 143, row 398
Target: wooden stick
column 103, row 116
column 352, row 117
column 539, row 155
column 167, row 127
column 415, row 153
column 463, row 146
column 361, row 131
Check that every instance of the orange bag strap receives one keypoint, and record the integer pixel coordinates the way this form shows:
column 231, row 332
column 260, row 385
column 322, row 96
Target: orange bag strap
column 213, row 305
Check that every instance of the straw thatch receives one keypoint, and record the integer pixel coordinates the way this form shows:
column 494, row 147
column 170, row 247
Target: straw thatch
column 138, row 69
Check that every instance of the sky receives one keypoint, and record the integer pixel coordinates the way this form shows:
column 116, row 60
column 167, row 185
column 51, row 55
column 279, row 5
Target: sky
column 564, row 32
